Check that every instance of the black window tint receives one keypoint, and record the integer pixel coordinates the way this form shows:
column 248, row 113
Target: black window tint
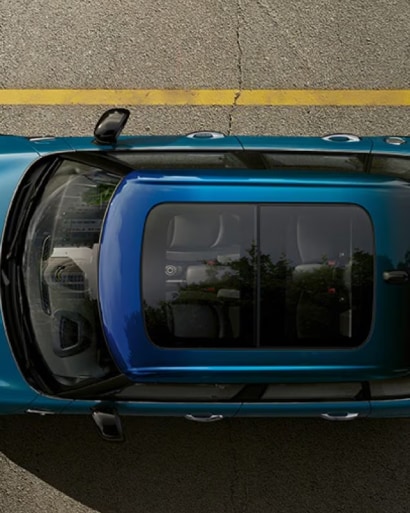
column 157, row 160
column 258, row 275
column 316, row 275
column 391, row 166
column 299, row 161
column 199, row 275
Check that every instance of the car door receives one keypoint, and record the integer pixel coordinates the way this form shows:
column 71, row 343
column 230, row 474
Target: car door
column 197, row 402
column 330, row 401
column 332, row 144
column 201, row 402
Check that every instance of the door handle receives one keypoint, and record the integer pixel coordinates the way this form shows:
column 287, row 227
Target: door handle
column 395, row 277
column 209, row 418
column 347, row 416
column 40, row 412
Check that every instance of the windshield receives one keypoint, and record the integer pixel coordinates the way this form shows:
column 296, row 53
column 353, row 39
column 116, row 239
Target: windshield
column 60, row 272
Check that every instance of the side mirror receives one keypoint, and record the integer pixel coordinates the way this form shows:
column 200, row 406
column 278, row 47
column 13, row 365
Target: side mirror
column 110, row 125
column 109, row 424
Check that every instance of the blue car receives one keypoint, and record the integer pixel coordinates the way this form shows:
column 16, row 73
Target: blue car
column 204, row 276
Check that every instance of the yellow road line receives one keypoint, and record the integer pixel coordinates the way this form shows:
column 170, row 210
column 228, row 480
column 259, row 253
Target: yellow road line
column 247, row 97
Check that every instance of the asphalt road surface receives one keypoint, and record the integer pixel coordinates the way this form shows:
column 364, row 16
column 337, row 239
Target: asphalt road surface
column 171, row 465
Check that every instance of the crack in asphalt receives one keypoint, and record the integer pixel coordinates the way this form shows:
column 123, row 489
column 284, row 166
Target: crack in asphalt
column 239, row 21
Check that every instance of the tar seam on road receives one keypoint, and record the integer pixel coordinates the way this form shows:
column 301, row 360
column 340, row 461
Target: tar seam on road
column 208, row 97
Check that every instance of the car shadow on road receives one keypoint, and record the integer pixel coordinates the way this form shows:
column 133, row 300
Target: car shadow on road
column 243, row 465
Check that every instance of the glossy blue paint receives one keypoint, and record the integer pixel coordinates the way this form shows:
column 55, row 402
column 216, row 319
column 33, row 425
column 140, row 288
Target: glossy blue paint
column 385, row 354
column 297, row 143
column 154, row 408
column 235, row 409
column 392, row 408
column 16, row 155
column 307, row 409
column 156, row 143
column 381, row 146
column 49, row 145
column 119, row 276
column 177, row 409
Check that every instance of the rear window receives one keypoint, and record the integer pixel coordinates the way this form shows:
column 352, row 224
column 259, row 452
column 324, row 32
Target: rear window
column 398, row 167
column 167, row 160
column 301, row 161
column 286, row 161
column 249, row 276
